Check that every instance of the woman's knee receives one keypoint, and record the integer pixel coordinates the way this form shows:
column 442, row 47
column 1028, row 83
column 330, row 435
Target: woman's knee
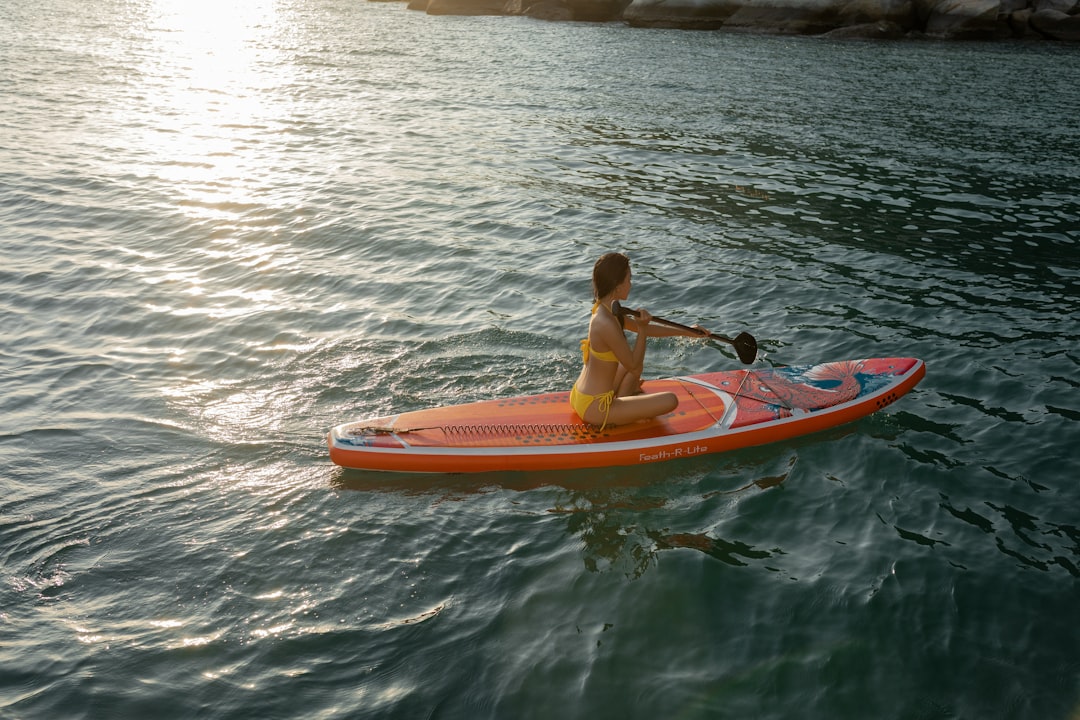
column 670, row 401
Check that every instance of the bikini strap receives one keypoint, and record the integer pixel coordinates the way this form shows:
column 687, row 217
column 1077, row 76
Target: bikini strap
column 585, row 342
column 604, row 403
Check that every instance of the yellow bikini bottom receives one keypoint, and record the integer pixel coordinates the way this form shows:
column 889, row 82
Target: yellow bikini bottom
column 582, row 401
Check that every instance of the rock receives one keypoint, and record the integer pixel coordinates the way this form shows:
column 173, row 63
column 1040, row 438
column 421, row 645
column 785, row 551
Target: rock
column 965, row 20
column 465, row 7
column 814, row 17
column 550, row 11
column 900, row 13
column 786, row 17
column 686, row 14
column 781, row 20
column 1056, row 25
column 836, row 19
column 543, row 10
column 1020, row 26
column 867, row 31
column 582, row 10
column 1069, row 7
column 596, row 10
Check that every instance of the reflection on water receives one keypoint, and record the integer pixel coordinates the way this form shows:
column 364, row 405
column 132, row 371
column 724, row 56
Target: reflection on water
column 614, row 527
column 1035, row 543
column 614, row 513
column 723, row 550
column 611, row 515
column 764, row 483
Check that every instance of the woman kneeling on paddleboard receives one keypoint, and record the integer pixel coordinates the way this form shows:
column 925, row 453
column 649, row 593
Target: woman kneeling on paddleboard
column 608, row 390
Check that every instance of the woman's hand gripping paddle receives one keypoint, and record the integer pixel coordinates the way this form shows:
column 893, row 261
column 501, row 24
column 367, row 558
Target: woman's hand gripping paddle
column 744, row 343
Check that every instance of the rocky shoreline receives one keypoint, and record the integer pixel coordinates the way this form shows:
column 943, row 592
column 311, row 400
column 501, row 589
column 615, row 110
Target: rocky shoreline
column 1057, row 20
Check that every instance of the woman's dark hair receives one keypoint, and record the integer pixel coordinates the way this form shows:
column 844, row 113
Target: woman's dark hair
column 608, row 272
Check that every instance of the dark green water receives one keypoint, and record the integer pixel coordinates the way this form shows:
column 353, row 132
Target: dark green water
column 221, row 238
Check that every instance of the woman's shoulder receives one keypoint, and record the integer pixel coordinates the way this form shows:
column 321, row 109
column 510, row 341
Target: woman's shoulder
column 605, row 323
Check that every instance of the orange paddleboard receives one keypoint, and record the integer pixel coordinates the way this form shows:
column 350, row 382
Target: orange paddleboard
column 716, row 412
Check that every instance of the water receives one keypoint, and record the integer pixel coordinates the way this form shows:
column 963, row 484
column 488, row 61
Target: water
column 226, row 227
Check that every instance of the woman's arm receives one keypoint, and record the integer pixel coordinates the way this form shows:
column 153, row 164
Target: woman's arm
column 658, row 329
column 632, row 359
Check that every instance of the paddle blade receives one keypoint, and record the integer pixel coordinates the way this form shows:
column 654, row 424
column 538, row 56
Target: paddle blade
column 745, row 347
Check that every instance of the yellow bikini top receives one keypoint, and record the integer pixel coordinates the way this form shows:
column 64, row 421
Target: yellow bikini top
column 606, row 356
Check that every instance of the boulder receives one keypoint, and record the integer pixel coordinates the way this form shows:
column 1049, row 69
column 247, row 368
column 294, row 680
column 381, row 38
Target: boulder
column 965, row 19
column 465, row 7
column 686, row 14
column 1069, row 7
column 837, row 19
column 875, row 18
column 783, row 20
column 1019, row 23
column 1008, row 7
column 883, row 13
column 867, row 31
column 543, row 10
column 786, row 17
column 597, row 10
column 814, row 17
column 582, row 10
column 1056, row 25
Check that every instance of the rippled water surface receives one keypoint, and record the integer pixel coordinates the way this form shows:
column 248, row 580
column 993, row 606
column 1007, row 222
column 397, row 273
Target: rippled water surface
column 227, row 226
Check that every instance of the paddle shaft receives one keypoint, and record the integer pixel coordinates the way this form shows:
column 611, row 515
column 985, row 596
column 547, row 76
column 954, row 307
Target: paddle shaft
column 672, row 323
column 744, row 343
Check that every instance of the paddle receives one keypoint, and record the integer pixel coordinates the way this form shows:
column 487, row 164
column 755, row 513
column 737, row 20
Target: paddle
column 744, row 343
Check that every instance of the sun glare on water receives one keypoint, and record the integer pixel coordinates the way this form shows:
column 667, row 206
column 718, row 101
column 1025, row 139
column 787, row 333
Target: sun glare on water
column 209, row 129
column 219, row 36
column 210, row 76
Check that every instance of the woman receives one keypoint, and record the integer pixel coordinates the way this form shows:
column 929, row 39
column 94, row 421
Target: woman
column 608, row 390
